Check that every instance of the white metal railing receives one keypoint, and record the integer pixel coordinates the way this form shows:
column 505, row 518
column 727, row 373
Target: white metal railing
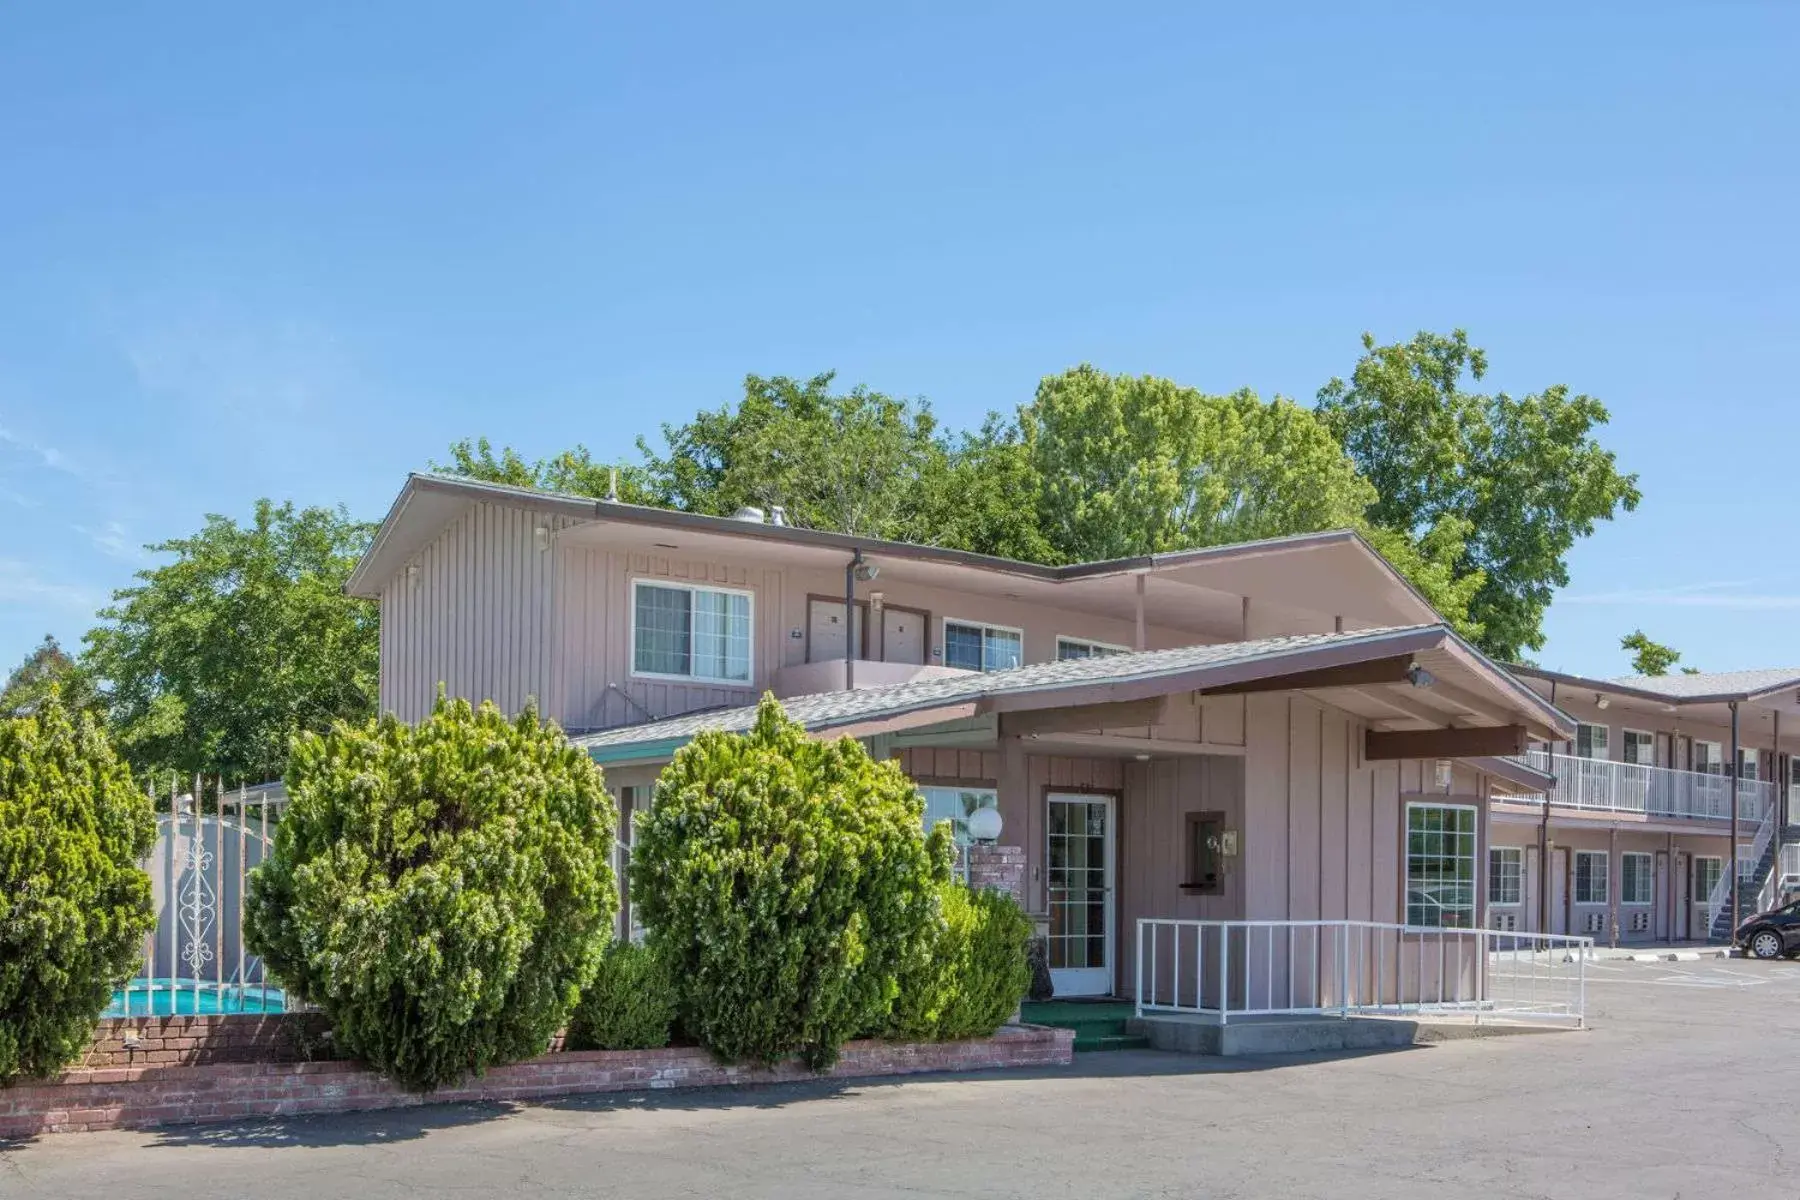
column 1782, row 880
column 1720, row 897
column 1607, row 786
column 1221, row 970
column 195, row 960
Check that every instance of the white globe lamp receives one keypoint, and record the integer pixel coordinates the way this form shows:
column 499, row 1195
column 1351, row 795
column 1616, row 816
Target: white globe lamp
column 985, row 825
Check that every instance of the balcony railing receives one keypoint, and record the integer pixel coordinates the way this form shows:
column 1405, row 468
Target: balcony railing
column 1600, row 785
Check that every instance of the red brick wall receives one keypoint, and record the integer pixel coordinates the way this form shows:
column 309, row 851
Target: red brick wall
column 1000, row 867
column 194, row 1041
column 134, row 1097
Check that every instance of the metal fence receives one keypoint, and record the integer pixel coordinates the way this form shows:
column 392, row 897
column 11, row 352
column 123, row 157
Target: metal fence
column 195, row 960
column 1221, row 970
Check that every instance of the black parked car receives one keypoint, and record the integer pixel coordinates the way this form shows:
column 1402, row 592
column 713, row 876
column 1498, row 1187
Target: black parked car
column 1774, row 934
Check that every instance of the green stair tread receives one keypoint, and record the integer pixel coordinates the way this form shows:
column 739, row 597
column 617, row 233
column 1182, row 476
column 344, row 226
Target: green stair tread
column 1114, row 1042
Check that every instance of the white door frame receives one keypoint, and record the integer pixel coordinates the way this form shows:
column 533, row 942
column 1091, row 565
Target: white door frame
column 1089, row 981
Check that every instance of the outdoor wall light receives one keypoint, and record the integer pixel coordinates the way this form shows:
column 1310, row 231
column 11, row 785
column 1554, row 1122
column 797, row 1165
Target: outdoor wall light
column 1601, row 701
column 1419, row 677
column 543, row 538
column 1445, row 774
column 985, row 824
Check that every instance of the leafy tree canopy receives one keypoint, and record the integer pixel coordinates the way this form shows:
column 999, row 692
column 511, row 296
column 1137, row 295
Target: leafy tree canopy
column 1525, row 478
column 1648, row 657
column 214, row 661
column 45, row 669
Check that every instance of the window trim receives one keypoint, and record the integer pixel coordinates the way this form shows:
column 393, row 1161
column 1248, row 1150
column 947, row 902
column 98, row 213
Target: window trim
column 1716, row 767
column 1478, row 882
column 1625, row 736
column 1605, row 876
column 642, row 581
column 1095, row 643
column 984, row 626
column 1650, row 874
column 1694, row 862
column 1493, row 903
column 1605, row 740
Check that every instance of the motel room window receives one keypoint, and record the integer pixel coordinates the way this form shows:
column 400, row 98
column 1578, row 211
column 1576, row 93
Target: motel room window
column 1440, row 866
column 1639, row 747
column 973, row 647
column 1707, row 872
column 1205, row 854
column 681, row 632
column 956, row 805
column 1709, row 758
column 1636, row 875
column 1590, row 877
column 1068, row 648
column 1506, row 874
column 1746, row 763
column 1590, row 741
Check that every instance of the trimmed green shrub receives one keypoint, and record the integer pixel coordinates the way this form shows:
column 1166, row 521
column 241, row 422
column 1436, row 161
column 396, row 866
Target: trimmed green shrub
column 630, row 1005
column 975, row 975
column 442, row 891
column 788, row 884
column 75, row 906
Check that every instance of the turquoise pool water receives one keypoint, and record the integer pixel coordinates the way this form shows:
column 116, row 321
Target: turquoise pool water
column 173, row 997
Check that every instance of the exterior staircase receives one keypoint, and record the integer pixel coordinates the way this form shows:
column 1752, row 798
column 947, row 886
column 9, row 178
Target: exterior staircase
column 1764, row 886
column 1098, row 1024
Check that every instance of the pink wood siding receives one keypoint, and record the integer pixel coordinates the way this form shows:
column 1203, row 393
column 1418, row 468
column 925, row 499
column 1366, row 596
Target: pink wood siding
column 478, row 615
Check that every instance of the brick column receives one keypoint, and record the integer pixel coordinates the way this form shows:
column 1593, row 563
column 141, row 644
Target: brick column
column 998, row 867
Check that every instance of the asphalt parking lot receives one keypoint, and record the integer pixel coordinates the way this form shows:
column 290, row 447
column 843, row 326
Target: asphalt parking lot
column 1681, row 1088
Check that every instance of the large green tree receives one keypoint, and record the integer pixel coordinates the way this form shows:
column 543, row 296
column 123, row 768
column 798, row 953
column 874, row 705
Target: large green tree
column 1524, row 478
column 215, row 660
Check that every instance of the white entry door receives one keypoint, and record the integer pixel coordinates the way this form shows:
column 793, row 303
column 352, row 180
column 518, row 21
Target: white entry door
column 1079, row 858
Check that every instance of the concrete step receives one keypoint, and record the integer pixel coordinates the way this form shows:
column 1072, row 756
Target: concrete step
column 1273, row 1035
column 1119, row 1041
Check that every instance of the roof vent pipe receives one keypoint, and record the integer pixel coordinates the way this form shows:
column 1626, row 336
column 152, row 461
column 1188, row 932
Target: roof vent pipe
column 748, row 513
column 777, row 515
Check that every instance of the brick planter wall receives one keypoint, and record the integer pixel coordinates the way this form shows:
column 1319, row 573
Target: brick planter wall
column 170, row 1093
column 200, row 1041
column 998, row 867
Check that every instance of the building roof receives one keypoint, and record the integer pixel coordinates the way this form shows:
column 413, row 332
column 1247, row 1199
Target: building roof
column 428, row 502
column 1706, row 687
column 1127, row 676
column 1712, row 685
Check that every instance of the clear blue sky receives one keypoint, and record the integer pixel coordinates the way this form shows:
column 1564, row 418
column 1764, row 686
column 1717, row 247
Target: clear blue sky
column 245, row 255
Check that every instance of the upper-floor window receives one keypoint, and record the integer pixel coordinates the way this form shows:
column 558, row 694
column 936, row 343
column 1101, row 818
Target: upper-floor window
column 976, row 647
column 1639, row 747
column 1590, row 741
column 1709, row 758
column 1746, row 763
column 1068, row 647
column 685, row 632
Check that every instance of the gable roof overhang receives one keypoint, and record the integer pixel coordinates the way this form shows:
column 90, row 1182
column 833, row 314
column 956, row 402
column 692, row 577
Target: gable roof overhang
column 1706, row 697
column 1455, row 687
column 1190, row 589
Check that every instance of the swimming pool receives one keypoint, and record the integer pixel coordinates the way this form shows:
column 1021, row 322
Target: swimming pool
column 179, row 997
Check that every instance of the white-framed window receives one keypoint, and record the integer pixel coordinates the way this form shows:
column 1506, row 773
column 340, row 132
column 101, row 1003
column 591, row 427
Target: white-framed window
column 1440, row 866
column 1638, row 747
column 1637, row 878
column 1707, row 871
column 633, row 803
column 1746, row 861
column 1590, row 877
column 973, row 646
column 1747, row 763
column 1506, row 874
column 1068, row 647
column 956, row 805
column 1590, row 741
column 685, row 631
column 1709, row 757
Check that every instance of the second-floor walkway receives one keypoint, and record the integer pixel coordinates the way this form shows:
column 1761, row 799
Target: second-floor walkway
column 1601, row 785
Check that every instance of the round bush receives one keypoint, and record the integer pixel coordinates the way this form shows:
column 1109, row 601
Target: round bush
column 442, row 891
column 788, row 883
column 976, row 973
column 630, row 1005
column 75, row 906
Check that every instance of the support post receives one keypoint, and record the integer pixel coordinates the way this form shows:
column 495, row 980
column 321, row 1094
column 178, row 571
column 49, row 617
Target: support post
column 1543, row 871
column 1734, row 768
column 850, row 620
column 1613, row 864
column 1142, row 641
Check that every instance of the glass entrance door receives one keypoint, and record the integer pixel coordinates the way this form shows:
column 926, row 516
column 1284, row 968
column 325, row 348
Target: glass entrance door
column 1080, row 884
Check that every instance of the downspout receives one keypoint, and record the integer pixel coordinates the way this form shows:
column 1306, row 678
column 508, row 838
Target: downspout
column 850, row 569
